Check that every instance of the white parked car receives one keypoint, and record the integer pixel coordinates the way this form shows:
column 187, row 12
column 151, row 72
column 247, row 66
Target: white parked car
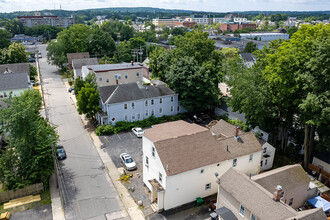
column 138, row 132
column 127, row 161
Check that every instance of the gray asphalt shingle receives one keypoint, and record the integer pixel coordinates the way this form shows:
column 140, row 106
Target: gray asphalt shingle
column 13, row 81
column 131, row 91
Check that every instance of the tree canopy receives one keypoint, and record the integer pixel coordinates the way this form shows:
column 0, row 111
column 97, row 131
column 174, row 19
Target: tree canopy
column 290, row 82
column 28, row 157
column 14, row 54
column 4, row 38
column 195, row 64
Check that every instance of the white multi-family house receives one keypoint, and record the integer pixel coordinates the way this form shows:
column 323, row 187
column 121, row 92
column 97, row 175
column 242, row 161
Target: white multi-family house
column 241, row 197
column 14, row 79
column 133, row 102
column 180, row 160
column 77, row 65
column 113, row 74
column 223, row 129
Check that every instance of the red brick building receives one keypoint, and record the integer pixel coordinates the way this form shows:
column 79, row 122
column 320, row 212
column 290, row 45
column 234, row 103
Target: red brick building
column 188, row 24
column 234, row 27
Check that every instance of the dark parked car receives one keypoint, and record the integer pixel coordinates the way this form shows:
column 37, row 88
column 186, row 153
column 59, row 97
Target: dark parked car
column 70, row 89
column 195, row 118
column 61, row 155
column 32, row 60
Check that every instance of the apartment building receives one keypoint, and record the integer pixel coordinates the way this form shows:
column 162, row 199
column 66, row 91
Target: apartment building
column 32, row 21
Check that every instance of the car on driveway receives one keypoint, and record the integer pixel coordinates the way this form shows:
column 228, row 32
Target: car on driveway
column 127, row 161
column 71, row 89
column 138, row 131
column 195, row 118
column 61, row 154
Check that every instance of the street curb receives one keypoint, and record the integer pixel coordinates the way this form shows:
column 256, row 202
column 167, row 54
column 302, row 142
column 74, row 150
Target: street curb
column 130, row 205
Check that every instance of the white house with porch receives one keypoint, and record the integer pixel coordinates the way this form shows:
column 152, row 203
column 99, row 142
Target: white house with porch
column 180, row 160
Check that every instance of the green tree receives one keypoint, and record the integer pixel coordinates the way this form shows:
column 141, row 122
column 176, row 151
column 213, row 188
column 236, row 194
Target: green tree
column 100, row 43
column 4, row 38
column 159, row 61
column 197, row 89
column 126, row 32
column 123, row 52
column 33, row 72
column 292, row 30
column 78, row 84
column 250, row 47
column 14, row 27
column 28, row 157
column 88, row 101
column 308, row 83
column 16, row 53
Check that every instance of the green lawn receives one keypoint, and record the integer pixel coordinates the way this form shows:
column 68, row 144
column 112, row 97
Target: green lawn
column 45, row 200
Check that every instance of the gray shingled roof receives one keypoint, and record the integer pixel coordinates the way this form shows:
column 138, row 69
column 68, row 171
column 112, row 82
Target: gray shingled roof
column 130, row 92
column 118, row 66
column 15, row 67
column 13, row 81
column 248, row 57
column 289, row 177
column 255, row 198
column 78, row 63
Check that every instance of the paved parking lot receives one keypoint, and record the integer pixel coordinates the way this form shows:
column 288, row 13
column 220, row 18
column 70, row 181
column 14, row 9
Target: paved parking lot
column 127, row 142
column 42, row 212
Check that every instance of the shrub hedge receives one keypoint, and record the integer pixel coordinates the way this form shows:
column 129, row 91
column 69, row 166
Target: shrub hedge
column 127, row 126
column 238, row 122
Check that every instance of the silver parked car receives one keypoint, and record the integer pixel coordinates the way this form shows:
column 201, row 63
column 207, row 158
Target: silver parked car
column 138, row 131
column 127, row 161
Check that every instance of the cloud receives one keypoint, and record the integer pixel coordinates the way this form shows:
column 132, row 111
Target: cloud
column 198, row 5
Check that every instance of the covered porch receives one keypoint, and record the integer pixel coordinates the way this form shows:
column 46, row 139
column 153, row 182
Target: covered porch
column 157, row 195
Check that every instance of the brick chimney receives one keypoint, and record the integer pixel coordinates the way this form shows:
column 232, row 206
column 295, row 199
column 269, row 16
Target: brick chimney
column 236, row 129
column 278, row 193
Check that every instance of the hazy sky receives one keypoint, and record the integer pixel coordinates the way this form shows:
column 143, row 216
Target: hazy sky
column 198, row 5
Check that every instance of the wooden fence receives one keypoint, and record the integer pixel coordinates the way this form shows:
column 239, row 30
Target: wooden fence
column 28, row 190
column 319, row 170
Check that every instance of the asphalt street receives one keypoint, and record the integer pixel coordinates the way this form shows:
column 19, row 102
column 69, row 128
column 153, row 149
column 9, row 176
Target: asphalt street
column 86, row 190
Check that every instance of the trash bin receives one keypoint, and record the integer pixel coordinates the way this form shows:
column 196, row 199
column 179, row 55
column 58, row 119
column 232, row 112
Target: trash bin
column 199, row 201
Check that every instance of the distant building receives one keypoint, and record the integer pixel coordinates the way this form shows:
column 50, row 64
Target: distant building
column 167, row 22
column 26, row 40
column 234, row 27
column 240, row 20
column 267, row 36
column 32, row 21
column 199, row 19
column 71, row 56
column 77, row 64
column 186, row 24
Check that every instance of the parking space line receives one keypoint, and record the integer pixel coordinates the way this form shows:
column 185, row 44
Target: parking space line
column 107, row 140
column 130, row 133
column 118, row 137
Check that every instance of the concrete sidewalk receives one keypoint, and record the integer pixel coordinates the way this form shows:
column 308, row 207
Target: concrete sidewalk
column 130, row 205
column 57, row 208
